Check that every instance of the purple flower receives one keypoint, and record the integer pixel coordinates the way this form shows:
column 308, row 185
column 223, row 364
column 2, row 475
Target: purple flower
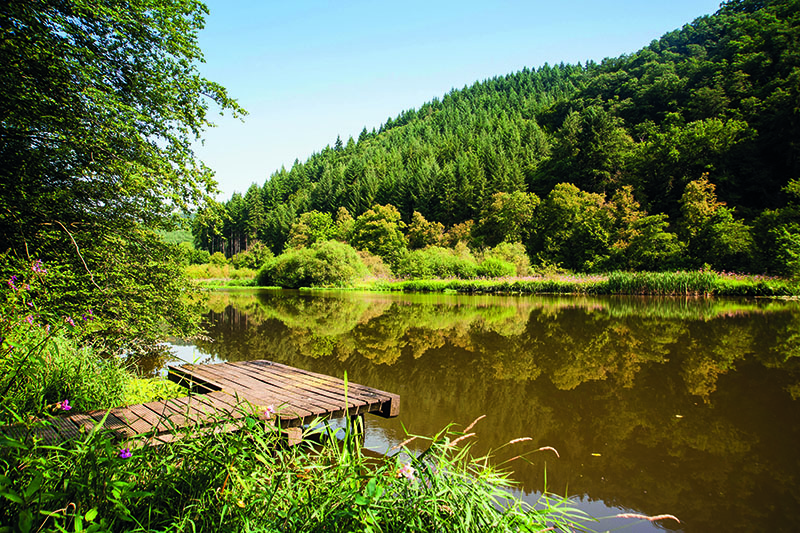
column 270, row 411
column 125, row 453
column 70, row 321
column 37, row 267
column 11, row 281
column 65, row 405
column 29, row 319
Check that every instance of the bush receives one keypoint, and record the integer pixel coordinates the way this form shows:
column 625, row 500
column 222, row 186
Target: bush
column 218, row 259
column 377, row 268
column 329, row 263
column 193, row 256
column 493, row 267
column 514, row 253
column 253, row 258
column 437, row 262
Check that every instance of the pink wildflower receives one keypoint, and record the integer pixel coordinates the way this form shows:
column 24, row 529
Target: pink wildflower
column 65, row 405
column 125, row 453
column 407, row 471
column 270, row 411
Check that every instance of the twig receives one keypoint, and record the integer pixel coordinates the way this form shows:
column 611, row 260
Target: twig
column 77, row 249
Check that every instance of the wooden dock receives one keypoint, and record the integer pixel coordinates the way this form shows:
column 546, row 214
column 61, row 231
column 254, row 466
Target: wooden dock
column 222, row 394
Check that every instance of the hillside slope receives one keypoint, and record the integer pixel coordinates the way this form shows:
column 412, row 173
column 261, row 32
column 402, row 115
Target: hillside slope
column 717, row 101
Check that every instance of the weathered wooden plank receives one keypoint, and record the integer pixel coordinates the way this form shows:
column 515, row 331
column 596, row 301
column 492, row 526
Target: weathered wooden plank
column 281, row 388
column 362, row 391
column 291, row 403
column 332, row 394
column 111, row 423
column 355, row 387
column 134, row 421
column 65, row 427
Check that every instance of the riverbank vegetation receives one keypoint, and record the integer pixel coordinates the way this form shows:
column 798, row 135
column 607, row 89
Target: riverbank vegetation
column 249, row 480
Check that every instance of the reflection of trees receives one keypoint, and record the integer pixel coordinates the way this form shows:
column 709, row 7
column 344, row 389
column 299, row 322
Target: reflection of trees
column 688, row 411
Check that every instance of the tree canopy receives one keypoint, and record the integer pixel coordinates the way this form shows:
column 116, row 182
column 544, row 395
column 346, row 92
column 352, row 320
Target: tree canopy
column 715, row 98
column 100, row 102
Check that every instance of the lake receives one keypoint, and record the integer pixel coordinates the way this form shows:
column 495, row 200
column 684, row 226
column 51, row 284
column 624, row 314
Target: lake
column 656, row 405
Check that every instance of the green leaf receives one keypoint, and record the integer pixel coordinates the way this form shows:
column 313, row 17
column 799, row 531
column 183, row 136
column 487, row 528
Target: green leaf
column 13, row 496
column 34, row 486
column 371, row 488
column 25, row 521
column 91, row 515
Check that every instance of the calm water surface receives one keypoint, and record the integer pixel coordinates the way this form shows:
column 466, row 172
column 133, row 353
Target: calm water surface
column 681, row 406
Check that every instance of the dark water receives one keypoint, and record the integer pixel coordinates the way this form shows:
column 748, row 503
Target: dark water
column 681, row 406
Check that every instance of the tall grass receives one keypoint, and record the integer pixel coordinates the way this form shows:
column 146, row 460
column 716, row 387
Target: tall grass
column 698, row 283
column 248, row 481
column 43, row 369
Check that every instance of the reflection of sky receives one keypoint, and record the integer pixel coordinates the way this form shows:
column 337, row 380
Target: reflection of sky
column 189, row 354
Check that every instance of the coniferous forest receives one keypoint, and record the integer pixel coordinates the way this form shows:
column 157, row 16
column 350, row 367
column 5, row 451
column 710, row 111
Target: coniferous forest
column 684, row 154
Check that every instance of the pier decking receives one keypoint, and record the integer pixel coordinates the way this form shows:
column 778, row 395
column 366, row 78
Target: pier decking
column 224, row 393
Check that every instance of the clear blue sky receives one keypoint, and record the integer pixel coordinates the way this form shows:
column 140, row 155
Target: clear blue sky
column 308, row 71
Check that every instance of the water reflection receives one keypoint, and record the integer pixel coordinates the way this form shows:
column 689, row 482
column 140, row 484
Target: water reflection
column 678, row 406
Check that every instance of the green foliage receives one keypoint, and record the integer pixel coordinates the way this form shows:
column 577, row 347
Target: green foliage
column 572, row 229
column 329, row 263
column 507, row 218
column 437, row 262
column 422, row 233
column 379, row 231
column 248, row 481
column 312, row 227
column 513, row 253
column 143, row 390
column 253, row 258
column 193, row 256
column 712, row 234
column 102, row 104
column 494, row 267
column 218, row 259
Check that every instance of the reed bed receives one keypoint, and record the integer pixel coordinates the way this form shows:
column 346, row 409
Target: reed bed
column 696, row 283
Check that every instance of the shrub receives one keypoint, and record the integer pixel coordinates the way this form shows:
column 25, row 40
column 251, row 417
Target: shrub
column 254, row 257
column 329, row 263
column 437, row 262
column 492, row 267
column 218, row 259
column 193, row 256
column 514, row 253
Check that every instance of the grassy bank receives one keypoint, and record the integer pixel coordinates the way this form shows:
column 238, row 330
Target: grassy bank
column 249, row 481
column 699, row 283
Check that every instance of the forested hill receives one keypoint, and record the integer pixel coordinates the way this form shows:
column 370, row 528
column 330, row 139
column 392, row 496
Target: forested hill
column 715, row 104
